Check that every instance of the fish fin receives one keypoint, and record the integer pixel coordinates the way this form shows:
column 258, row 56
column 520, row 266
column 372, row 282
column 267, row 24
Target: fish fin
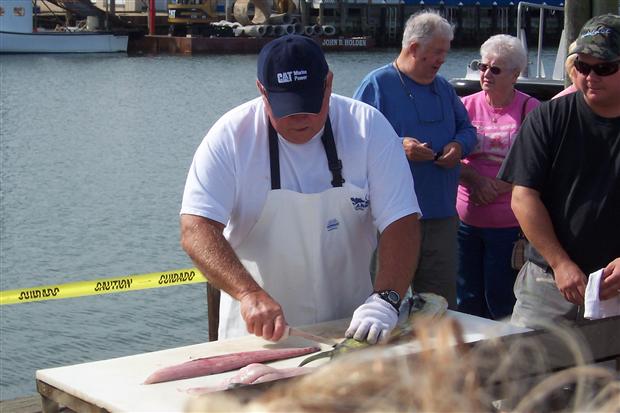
column 328, row 353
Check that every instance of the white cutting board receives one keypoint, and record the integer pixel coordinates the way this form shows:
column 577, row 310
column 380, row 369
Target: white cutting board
column 116, row 384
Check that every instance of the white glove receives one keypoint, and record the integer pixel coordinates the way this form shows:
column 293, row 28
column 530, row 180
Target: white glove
column 373, row 320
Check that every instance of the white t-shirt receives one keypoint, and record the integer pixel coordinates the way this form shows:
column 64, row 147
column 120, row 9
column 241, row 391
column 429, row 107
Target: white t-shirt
column 230, row 177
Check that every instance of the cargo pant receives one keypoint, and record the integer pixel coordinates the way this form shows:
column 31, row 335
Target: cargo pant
column 539, row 301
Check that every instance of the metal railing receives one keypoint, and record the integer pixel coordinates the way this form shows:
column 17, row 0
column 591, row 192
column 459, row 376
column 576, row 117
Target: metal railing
column 542, row 7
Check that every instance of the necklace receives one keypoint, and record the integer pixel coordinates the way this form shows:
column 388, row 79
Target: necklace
column 499, row 110
column 402, row 82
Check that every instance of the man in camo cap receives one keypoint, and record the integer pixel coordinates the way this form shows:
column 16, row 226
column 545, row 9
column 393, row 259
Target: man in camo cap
column 565, row 170
column 599, row 38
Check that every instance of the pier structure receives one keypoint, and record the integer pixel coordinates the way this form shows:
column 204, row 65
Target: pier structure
column 380, row 20
column 473, row 22
column 383, row 20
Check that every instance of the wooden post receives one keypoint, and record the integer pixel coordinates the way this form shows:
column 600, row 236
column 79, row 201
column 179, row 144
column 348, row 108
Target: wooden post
column 303, row 9
column 576, row 13
column 106, row 23
column 344, row 11
column 48, row 405
column 363, row 18
column 604, row 6
column 477, row 34
column 459, row 22
column 213, row 309
column 494, row 12
column 512, row 19
column 151, row 17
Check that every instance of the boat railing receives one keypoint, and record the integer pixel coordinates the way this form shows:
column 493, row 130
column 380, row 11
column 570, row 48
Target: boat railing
column 558, row 72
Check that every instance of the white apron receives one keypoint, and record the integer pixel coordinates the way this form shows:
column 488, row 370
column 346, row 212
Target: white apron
column 310, row 252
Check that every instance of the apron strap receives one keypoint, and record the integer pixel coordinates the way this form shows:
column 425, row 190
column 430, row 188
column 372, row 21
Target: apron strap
column 335, row 164
column 274, row 157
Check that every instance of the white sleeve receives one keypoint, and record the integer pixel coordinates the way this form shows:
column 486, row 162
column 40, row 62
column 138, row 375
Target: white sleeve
column 391, row 186
column 210, row 185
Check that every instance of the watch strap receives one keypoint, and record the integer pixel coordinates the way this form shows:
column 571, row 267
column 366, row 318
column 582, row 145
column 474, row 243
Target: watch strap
column 391, row 297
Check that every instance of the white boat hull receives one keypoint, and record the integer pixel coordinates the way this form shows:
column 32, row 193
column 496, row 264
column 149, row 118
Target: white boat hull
column 62, row 42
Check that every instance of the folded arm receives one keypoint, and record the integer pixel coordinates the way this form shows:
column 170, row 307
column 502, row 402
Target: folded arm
column 483, row 189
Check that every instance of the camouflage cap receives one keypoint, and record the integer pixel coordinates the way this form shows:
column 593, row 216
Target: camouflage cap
column 599, row 38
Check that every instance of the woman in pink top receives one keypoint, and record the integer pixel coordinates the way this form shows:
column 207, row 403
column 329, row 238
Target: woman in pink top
column 488, row 227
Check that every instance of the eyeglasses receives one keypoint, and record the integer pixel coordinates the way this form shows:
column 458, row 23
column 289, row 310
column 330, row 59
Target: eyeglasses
column 483, row 67
column 601, row 69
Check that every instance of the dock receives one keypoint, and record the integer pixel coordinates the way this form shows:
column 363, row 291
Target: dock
column 190, row 45
column 28, row 404
column 214, row 26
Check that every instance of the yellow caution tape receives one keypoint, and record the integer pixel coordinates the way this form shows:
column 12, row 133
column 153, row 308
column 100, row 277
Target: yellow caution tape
column 103, row 286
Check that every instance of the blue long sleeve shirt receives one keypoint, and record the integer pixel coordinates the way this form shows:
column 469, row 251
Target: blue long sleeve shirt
column 431, row 113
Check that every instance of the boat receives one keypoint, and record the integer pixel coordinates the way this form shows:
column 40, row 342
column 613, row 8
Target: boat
column 540, row 86
column 19, row 35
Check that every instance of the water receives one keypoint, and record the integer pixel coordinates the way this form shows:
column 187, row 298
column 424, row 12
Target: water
column 94, row 153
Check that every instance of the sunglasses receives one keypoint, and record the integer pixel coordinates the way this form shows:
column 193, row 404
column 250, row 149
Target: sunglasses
column 483, row 67
column 601, row 69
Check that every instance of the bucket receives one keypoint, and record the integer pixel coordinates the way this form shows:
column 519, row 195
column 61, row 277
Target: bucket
column 288, row 28
column 299, row 29
column 317, row 30
column 329, row 30
column 254, row 31
column 278, row 30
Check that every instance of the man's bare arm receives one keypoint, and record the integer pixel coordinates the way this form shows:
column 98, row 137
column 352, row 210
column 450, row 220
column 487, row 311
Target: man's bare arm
column 203, row 241
column 399, row 249
column 537, row 227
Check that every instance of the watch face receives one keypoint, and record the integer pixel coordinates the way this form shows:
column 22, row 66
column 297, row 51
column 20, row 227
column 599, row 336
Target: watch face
column 393, row 297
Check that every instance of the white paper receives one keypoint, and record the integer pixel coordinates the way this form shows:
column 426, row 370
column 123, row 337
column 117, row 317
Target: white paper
column 595, row 308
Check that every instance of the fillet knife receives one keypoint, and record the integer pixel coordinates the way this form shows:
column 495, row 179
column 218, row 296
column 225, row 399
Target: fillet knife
column 292, row 331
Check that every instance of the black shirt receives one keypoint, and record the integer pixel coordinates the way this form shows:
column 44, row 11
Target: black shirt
column 572, row 157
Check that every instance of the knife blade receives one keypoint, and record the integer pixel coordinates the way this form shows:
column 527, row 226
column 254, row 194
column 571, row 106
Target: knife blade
column 292, row 331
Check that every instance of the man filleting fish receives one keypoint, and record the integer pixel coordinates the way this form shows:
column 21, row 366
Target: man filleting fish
column 284, row 199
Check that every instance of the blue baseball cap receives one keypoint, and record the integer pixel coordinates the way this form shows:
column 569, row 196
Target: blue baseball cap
column 292, row 69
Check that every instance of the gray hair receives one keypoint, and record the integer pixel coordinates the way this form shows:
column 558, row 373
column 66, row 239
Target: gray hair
column 507, row 48
column 424, row 25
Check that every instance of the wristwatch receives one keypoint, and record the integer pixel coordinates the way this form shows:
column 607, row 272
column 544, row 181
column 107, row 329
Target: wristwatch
column 391, row 297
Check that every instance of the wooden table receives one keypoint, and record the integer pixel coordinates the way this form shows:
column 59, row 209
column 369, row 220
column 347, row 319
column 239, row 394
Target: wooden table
column 115, row 385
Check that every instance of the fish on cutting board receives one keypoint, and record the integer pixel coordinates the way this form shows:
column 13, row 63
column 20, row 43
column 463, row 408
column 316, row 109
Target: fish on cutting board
column 226, row 362
column 252, row 374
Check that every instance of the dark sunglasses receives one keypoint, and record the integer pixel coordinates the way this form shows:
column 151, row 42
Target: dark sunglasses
column 601, row 69
column 494, row 69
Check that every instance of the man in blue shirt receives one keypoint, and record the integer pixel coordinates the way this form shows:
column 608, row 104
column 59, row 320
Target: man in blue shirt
column 436, row 134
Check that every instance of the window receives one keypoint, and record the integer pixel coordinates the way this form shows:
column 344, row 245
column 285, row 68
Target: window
column 18, row 11
column 1, row 11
